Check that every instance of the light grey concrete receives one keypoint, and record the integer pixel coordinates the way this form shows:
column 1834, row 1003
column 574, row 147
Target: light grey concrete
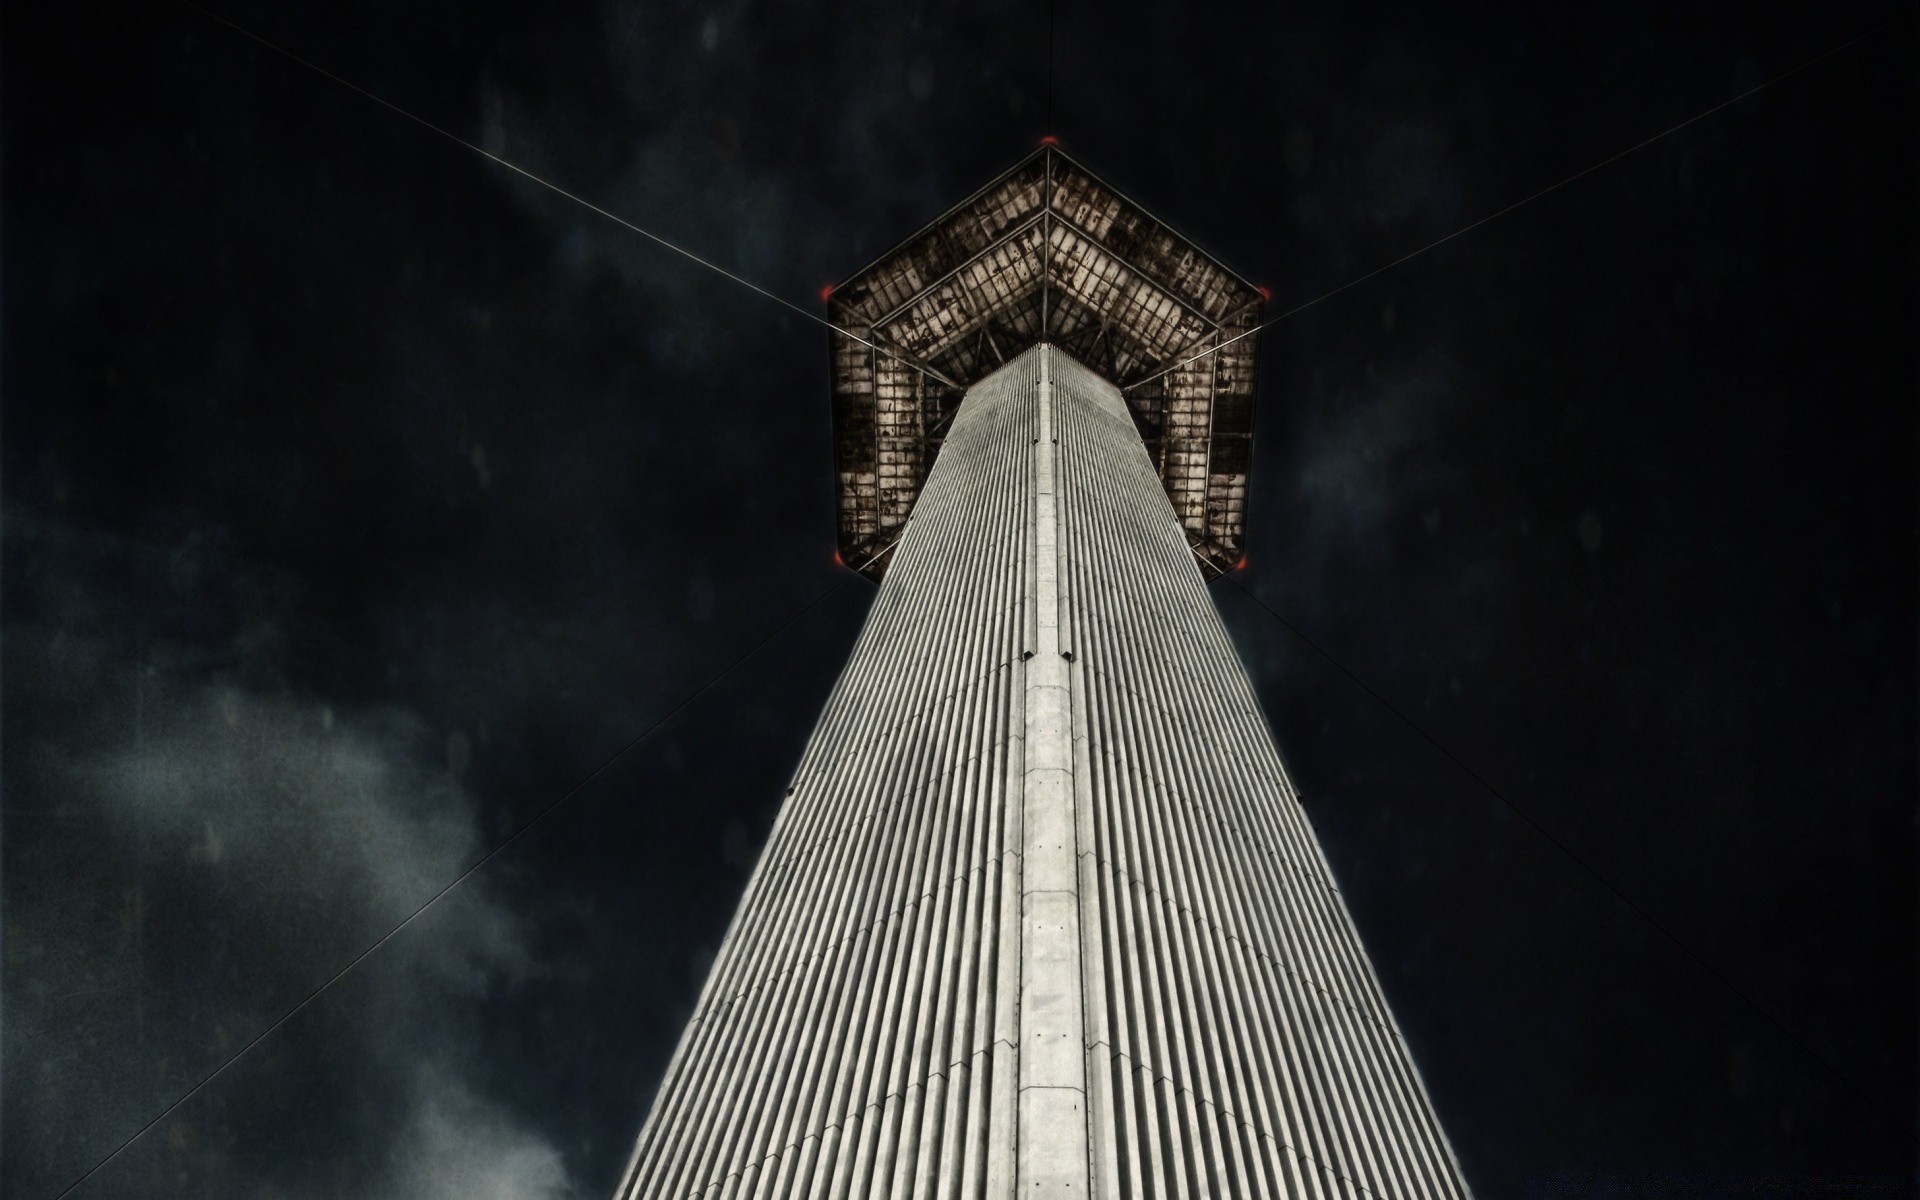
column 1042, row 915
column 1053, row 1095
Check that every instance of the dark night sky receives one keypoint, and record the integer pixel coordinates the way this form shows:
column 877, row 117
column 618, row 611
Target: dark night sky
column 360, row 498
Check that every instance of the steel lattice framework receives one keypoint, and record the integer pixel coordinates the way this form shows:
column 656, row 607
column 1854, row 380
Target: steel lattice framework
column 1046, row 253
column 1042, row 914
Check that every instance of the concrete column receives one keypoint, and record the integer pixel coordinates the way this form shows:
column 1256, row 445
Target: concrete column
column 1042, row 914
column 1053, row 1094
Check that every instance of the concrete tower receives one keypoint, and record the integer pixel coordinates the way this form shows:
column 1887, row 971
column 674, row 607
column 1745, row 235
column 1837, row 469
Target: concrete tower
column 1041, row 915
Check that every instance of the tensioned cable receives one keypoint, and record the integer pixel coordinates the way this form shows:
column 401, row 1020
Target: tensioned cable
column 617, row 219
column 482, row 861
column 1494, row 216
column 1572, row 856
column 663, row 242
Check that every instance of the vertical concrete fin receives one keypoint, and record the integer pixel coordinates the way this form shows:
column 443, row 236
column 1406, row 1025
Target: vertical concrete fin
column 1053, row 1100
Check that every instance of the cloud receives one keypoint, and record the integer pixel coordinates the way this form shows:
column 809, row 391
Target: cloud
column 192, row 846
column 459, row 1146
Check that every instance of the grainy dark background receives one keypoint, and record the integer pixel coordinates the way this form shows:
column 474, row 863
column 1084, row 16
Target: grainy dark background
column 360, row 498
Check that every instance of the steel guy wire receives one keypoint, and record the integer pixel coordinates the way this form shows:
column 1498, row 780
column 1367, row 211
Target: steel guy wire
column 589, row 205
column 555, row 804
column 545, row 812
column 1548, row 190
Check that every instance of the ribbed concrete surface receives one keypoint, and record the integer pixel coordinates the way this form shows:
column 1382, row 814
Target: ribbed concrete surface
column 1041, row 914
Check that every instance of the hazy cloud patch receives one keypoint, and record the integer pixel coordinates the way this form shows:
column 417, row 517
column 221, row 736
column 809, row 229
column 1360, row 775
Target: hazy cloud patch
column 192, row 846
column 457, row 1145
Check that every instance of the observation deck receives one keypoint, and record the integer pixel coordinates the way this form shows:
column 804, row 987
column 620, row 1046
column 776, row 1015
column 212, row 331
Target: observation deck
column 1048, row 253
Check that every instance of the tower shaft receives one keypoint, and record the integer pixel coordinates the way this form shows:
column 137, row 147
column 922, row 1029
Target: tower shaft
column 1042, row 914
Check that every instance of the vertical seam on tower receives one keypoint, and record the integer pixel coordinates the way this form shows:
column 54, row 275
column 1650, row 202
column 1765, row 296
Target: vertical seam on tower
column 1053, row 1052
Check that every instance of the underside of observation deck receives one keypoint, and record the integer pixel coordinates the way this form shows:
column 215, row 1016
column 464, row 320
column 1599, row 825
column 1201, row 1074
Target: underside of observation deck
column 1046, row 253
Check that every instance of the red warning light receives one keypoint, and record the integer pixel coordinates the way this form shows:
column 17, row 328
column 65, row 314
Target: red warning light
column 1266, row 293
column 836, row 559
column 826, row 293
column 1242, row 564
column 1049, row 140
